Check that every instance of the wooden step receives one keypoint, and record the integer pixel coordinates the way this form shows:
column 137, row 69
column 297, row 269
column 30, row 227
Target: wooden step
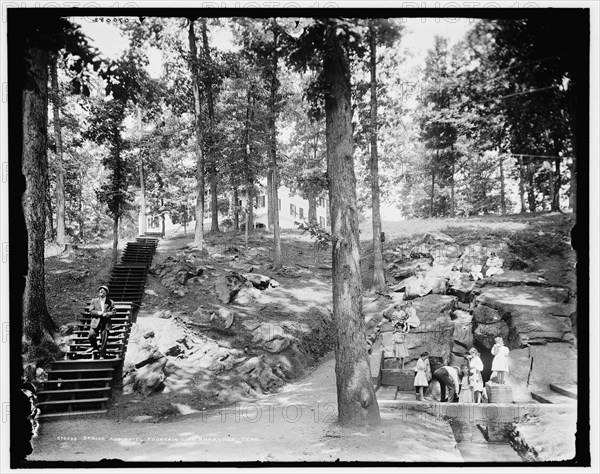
column 73, row 391
column 73, row 402
column 567, row 391
column 96, row 364
column 70, row 381
column 61, row 414
column 76, row 371
column 112, row 331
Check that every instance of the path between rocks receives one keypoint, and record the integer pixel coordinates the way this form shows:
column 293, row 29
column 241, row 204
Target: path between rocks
column 294, row 425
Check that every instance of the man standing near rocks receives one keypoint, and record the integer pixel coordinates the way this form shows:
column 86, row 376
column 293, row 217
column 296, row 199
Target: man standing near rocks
column 449, row 379
column 101, row 309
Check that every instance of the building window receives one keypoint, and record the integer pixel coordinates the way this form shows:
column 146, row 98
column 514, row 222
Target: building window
column 292, row 210
column 239, row 202
column 279, row 200
column 322, row 202
column 260, row 201
column 328, row 222
column 322, row 221
column 301, row 213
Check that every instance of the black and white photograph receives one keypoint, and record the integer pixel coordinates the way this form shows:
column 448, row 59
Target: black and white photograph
column 316, row 234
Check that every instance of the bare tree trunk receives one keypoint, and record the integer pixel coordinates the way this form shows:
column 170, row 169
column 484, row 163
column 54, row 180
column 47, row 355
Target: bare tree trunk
column 312, row 208
column 60, row 171
column 530, row 188
column 270, row 196
column 80, row 217
column 143, row 223
column 274, row 172
column 502, row 184
column 522, row 184
column 379, row 284
column 236, row 212
column 452, row 198
column 431, row 201
column 551, row 190
column 357, row 405
column 556, row 197
column 37, row 323
column 199, row 232
column 115, row 250
column 210, row 133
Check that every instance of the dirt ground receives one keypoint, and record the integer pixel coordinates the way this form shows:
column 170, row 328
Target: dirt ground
column 295, row 425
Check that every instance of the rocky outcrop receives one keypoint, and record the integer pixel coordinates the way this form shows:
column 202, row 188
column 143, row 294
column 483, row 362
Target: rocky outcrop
column 534, row 315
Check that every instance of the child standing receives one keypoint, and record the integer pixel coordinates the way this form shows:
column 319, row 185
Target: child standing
column 422, row 375
column 466, row 391
column 500, row 362
column 400, row 350
column 475, row 368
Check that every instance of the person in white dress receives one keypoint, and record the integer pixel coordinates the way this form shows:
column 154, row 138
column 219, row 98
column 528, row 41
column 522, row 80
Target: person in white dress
column 422, row 375
column 500, row 362
column 475, row 369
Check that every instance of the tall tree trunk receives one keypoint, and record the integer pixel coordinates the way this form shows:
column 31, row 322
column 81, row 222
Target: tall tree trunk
column 210, row 132
column 247, row 215
column 236, row 212
column 502, row 183
column 115, row 250
column 60, row 170
column 248, row 168
column 522, row 184
column 270, row 195
column 199, row 232
column 162, row 215
column 312, row 208
column 379, row 284
column 37, row 322
column 432, row 199
column 551, row 190
column 556, row 197
column 80, row 217
column 273, row 197
column 143, row 223
column 530, row 188
column 357, row 405
column 452, row 198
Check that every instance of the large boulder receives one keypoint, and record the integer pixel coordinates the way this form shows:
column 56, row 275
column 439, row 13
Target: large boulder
column 259, row 375
column 228, row 286
column 436, row 332
column 514, row 278
column 533, row 368
column 404, row 269
column 246, row 294
column 535, row 315
column 420, row 285
column 462, row 289
column 438, row 237
column 259, row 281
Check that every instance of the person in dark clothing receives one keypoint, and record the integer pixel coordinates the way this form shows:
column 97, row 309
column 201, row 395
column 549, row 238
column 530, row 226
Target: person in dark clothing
column 449, row 379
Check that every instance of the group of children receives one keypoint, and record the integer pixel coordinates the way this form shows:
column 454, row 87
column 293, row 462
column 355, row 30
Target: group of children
column 471, row 384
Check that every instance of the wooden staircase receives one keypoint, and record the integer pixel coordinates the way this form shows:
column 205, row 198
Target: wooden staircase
column 80, row 384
